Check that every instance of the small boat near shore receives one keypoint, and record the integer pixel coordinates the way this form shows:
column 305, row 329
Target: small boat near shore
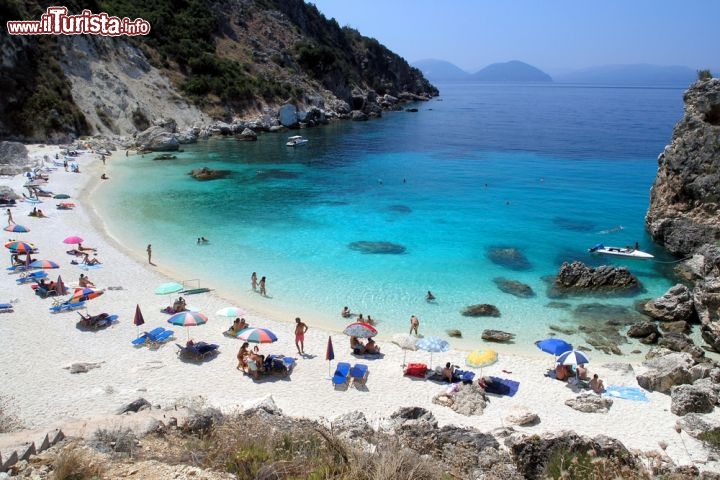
column 296, row 141
column 620, row 252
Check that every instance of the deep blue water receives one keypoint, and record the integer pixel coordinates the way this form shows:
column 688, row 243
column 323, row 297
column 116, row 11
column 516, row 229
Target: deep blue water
column 548, row 170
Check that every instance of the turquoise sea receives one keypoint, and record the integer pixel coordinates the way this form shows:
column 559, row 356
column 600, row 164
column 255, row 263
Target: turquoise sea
column 549, row 170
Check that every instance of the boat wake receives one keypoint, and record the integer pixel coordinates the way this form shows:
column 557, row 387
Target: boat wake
column 619, row 228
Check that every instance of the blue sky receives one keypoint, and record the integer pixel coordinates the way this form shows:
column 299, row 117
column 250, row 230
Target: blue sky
column 553, row 35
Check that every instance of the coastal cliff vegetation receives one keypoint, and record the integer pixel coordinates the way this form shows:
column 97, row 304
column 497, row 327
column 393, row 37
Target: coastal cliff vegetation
column 229, row 59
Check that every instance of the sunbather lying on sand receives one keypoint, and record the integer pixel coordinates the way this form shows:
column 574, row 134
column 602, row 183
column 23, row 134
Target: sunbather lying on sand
column 90, row 261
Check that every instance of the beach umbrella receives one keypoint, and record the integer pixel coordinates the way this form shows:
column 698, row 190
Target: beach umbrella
column 61, row 196
column 85, row 294
column 20, row 247
column 360, row 330
column 257, row 335
column 405, row 341
column 432, row 345
column 329, row 355
column 555, row 346
column 188, row 319
column 43, row 264
column 231, row 312
column 138, row 319
column 573, row 357
column 167, row 288
column 74, row 239
column 481, row 358
column 15, row 228
column 60, row 286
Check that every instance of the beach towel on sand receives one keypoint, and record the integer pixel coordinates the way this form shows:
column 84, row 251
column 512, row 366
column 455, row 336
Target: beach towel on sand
column 628, row 393
column 502, row 386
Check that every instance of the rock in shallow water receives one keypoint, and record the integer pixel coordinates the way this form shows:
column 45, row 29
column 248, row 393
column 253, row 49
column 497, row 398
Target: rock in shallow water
column 509, row 257
column 377, row 247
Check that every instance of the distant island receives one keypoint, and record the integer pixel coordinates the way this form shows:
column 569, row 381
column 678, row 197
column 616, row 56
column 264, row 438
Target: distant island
column 517, row 72
column 631, row 75
column 513, row 71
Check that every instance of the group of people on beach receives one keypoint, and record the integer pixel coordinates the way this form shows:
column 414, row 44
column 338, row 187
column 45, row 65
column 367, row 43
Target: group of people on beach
column 580, row 372
column 359, row 348
column 258, row 286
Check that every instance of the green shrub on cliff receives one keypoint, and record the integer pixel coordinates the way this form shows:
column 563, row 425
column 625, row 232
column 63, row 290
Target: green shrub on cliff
column 704, row 75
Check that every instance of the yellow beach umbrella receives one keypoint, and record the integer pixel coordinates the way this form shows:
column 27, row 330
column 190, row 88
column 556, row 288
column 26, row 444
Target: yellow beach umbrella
column 481, row 358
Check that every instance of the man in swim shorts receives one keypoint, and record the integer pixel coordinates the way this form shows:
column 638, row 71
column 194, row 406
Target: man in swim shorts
column 300, row 329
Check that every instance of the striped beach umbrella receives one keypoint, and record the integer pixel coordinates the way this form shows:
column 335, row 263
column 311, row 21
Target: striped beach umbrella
column 360, row 330
column 85, row 294
column 43, row 264
column 188, row 319
column 257, row 335
column 573, row 357
column 16, row 229
column 20, row 247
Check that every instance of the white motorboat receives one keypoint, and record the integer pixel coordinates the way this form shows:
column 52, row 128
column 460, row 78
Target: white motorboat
column 620, row 251
column 296, row 141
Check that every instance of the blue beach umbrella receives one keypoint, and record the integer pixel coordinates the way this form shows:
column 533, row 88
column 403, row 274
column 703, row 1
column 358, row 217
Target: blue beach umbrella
column 168, row 288
column 555, row 346
column 16, row 229
column 573, row 357
column 432, row 345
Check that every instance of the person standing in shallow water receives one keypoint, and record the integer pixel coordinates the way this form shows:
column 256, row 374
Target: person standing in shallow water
column 263, row 292
column 149, row 253
column 414, row 324
column 253, row 281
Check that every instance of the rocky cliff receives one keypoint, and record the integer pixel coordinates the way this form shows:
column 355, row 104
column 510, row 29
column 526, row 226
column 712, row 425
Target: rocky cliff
column 684, row 199
column 203, row 61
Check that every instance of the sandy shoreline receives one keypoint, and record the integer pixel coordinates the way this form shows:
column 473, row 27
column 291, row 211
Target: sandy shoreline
column 44, row 395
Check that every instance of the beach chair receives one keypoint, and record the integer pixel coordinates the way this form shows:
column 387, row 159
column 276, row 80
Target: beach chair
column 359, row 374
column 6, row 307
column 198, row 351
column 145, row 337
column 154, row 338
column 31, row 277
column 342, row 374
column 66, row 307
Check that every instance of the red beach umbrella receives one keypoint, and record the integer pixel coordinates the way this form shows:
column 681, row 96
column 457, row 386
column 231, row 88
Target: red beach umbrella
column 138, row 319
column 329, row 355
column 360, row 330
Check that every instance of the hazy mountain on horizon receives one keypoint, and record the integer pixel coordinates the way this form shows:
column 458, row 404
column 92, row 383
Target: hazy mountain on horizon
column 631, row 75
column 433, row 69
column 512, row 71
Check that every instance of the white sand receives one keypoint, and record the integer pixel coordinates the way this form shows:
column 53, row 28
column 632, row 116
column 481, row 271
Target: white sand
column 37, row 346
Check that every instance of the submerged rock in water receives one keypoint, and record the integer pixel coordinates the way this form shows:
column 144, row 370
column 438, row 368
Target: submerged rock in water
column 497, row 336
column 400, row 208
column 364, row 246
column 509, row 257
column 513, row 287
column 481, row 310
column 206, row 173
column 276, row 173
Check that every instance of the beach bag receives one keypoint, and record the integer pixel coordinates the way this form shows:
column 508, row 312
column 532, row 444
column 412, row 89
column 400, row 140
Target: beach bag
column 416, row 370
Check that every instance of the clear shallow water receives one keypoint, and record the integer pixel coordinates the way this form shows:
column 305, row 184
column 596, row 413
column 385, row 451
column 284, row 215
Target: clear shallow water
column 547, row 170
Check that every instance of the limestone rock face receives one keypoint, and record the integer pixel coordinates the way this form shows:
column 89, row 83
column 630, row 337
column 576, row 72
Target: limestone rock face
column 676, row 304
column 666, row 371
column 158, row 139
column 288, row 116
column 685, row 196
column 14, row 158
column 691, row 399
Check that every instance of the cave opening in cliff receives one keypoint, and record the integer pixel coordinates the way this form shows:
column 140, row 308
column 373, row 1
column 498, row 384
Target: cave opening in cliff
column 713, row 115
